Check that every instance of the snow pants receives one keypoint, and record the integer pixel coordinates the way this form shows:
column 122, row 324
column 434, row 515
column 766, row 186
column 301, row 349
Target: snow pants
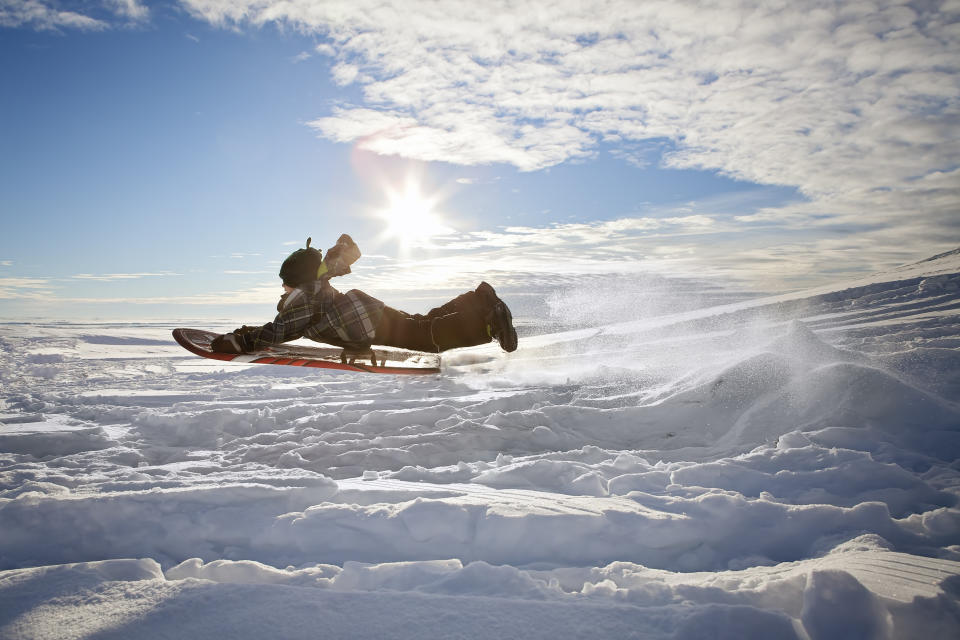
column 458, row 323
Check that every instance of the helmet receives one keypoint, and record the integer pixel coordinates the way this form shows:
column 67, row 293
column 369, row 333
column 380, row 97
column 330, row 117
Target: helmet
column 301, row 266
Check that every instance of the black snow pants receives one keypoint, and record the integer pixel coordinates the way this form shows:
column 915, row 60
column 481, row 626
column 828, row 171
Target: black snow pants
column 462, row 322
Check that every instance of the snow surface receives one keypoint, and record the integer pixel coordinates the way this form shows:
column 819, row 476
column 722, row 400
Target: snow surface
column 778, row 468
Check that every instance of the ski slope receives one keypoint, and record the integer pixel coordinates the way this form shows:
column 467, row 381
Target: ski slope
column 787, row 467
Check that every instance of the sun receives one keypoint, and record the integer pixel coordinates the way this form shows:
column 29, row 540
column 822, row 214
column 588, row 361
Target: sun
column 410, row 216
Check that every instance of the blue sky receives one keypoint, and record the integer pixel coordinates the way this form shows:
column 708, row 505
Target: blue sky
column 160, row 159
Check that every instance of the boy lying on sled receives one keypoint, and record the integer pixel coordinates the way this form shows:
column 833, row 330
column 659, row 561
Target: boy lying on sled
column 312, row 308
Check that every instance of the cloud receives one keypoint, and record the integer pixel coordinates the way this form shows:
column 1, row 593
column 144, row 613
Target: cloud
column 36, row 288
column 241, row 272
column 693, row 240
column 853, row 104
column 37, row 14
column 266, row 295
column 47, row 15
column 555, row 253
column 109, row 277
column 238, row 255
column 802, row 94
column 6, row 263
column 132, row 10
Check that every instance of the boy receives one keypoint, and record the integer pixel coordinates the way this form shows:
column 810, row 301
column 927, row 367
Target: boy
column 311, row 308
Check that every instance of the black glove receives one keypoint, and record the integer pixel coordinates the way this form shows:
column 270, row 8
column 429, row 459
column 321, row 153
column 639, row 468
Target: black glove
column 227, row 343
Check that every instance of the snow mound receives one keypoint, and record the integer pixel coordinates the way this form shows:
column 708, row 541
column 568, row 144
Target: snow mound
column 861, row 594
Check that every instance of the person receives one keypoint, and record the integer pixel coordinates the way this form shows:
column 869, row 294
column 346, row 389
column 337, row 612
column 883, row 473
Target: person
column 310, row 307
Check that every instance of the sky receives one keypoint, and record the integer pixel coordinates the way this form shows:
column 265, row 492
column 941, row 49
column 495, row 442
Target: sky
column 161, row 159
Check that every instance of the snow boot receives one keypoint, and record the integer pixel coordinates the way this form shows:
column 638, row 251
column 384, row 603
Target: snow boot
column 498, row 318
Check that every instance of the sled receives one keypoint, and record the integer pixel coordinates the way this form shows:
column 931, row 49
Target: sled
column 372, row 360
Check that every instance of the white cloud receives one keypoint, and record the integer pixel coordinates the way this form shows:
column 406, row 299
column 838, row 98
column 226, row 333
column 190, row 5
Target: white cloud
column 132, row 10
column 266, row 295
column 769, row 94
column 49, row 15
column 108, row 277
column 45, row 16
column 345, row 74
column 238, row 255
column 691, row 240
column 35, row 288
column 854, row 104
column 528, row 254
column 324, row 49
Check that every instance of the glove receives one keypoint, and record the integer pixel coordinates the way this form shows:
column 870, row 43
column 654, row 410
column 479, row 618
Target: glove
column 345, row 251
column 245, row 329
column 227, row 343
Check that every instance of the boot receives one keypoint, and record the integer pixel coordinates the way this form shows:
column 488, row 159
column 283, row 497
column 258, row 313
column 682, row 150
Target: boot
column 498, row 318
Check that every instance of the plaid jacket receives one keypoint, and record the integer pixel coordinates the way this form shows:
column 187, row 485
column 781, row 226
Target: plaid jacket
column 317, row 311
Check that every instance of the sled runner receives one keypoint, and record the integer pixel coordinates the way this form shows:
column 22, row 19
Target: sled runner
column 378, row 360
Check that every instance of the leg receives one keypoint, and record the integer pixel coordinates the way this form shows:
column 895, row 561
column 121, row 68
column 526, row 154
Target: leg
column 432, row 334
column 400, row 329
column 470, row 319
column 469, row 302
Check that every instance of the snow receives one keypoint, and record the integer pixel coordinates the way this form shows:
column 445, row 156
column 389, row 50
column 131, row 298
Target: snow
column 786, row 467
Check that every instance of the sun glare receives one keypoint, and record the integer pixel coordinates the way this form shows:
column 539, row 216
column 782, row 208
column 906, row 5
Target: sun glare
column 410, row 217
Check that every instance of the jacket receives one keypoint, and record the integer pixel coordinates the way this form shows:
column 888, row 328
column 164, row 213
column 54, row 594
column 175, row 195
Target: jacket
column 317, row 311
